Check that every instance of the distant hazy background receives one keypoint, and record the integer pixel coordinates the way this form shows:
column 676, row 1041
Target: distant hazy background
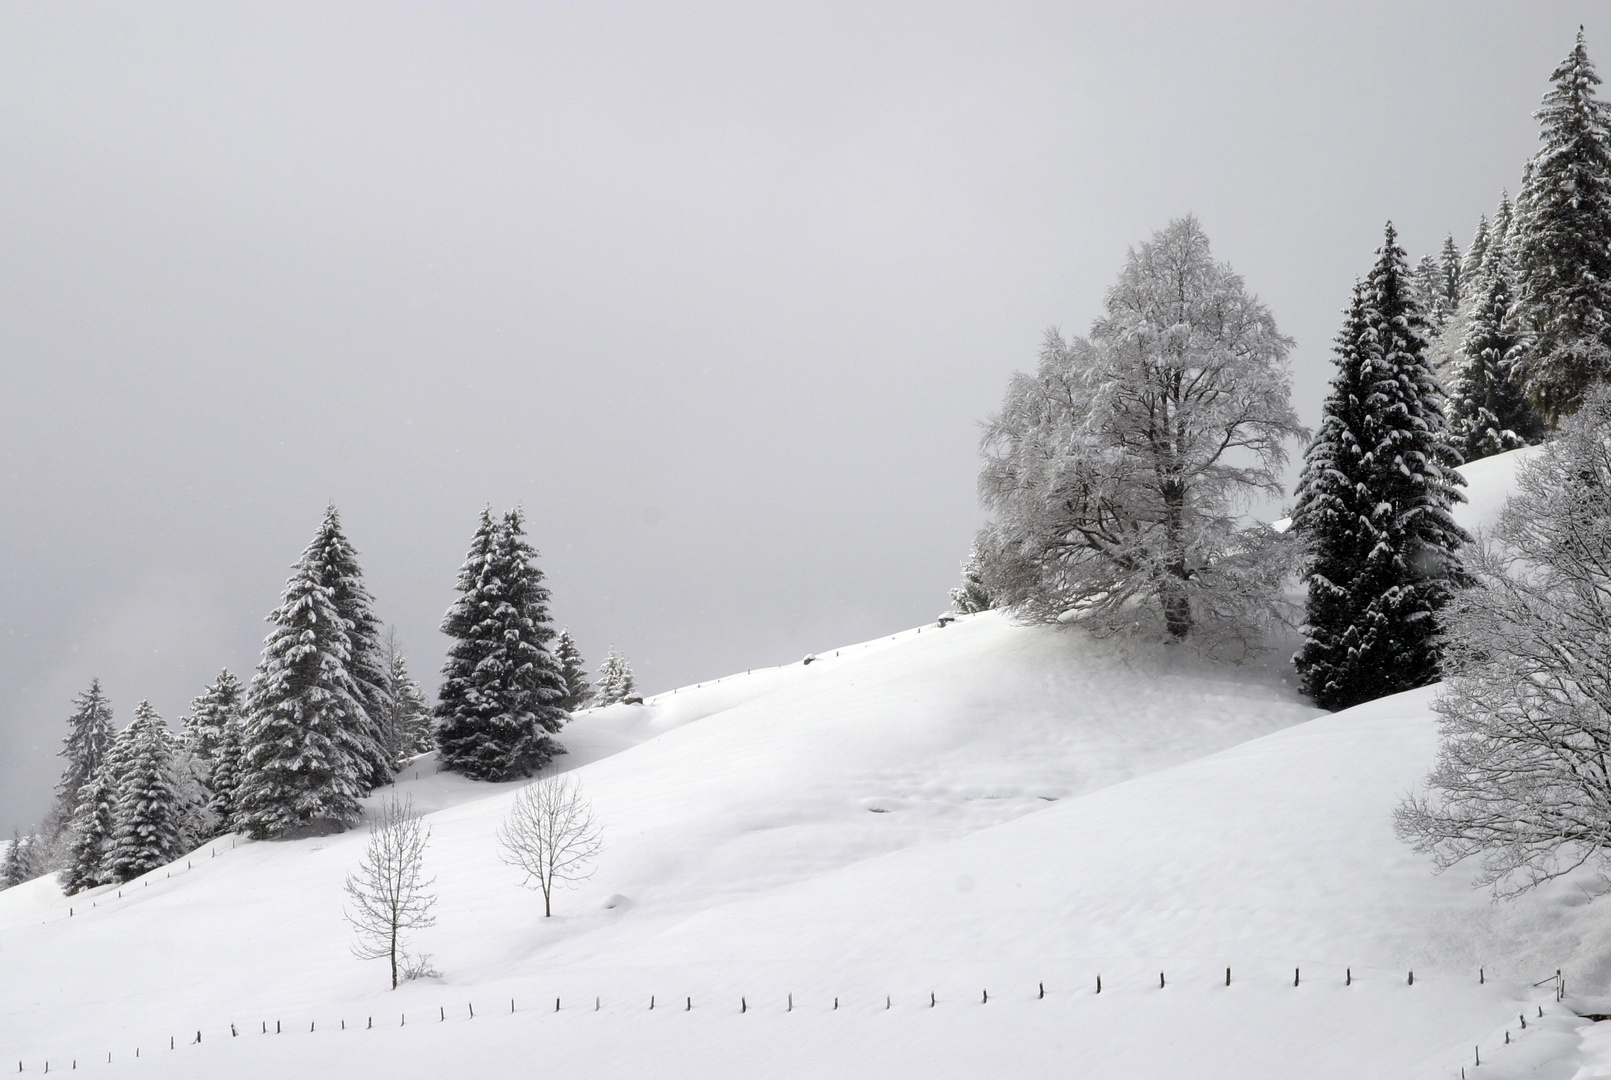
column 717, row 292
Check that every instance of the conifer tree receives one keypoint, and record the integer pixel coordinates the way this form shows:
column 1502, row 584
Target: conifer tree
column 337, row 568
column 615, row 680
column 1471, row 264
column 972, row 595
column 205, row 728
column 501, row 688
column 1489, row 412
column 148, row 822
column 226, row 778
column 1563, row 243
column 90, row 835
column 1373, row 504
column 578, row 691
column 306, row 752
column 14, row 868
column 408, row 725
column 1449, row 263
column 89, row 738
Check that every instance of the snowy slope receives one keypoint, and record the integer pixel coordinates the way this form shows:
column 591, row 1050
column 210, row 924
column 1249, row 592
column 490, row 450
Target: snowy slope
column 979, row 807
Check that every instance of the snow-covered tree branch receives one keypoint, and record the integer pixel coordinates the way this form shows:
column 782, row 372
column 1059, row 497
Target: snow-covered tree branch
column 1523, row 776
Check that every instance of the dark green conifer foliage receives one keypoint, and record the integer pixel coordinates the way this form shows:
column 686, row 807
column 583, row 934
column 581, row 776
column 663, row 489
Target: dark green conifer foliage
column 578, row 691
column 337, row 568
column 89, row 738
column 1373, row 504
column 1563, row 243
column 501, row 688
column 306, row 745
column 148, row 829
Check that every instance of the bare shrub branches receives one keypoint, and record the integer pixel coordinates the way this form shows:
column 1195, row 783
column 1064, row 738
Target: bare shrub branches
column 388, row 892
column 551, row 836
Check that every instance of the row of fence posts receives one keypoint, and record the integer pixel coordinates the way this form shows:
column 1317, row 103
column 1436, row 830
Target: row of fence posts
column 743, row 1007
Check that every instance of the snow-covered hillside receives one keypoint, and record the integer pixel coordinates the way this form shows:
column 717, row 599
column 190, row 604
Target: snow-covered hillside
column 959, row 811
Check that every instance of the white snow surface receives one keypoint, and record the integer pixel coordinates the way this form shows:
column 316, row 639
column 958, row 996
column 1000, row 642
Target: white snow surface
column 979, row 809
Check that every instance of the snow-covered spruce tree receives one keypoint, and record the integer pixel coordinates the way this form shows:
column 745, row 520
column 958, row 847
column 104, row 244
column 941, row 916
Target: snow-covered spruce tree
column 306, row 747
column 1373, row 504
column 501, row 686
column 1115, row 471
column 1449, row 262
column 615, row 680
column 226, row 778
column 1471, row 262
column 205, row 728
column 408, row 725
column 1522, row 782
column 337, row 568
column 85, row 862
column 89, row 738
column 14, row 867
column 1563, row 243
column 1489, row 412
column 972, row 596
column 148, row 821
column 578, row 691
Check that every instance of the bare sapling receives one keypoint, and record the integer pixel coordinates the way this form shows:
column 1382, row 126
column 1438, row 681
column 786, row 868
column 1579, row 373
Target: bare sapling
column 550, row 836
column 388, row 892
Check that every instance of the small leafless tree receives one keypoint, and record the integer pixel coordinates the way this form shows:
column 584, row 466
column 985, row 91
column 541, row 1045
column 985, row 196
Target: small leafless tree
column 388, row 892
column 1523, row 776
column 550, row 834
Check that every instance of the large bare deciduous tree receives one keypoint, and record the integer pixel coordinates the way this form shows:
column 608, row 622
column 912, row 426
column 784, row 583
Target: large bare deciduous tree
column 389, row 892
column 551, row 836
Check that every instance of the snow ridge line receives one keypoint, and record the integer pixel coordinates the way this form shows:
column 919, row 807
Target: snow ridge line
column 1556, row 981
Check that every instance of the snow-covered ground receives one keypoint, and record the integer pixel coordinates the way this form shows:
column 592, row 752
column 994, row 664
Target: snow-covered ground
column 959, row 811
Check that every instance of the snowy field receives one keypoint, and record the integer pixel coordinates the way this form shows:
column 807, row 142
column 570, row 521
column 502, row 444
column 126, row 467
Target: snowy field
column 979, row 809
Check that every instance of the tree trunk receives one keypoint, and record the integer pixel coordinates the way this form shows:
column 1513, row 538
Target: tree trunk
column 1172, row 590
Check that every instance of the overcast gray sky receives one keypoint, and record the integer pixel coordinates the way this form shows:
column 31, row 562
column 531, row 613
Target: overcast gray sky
column 717, row 292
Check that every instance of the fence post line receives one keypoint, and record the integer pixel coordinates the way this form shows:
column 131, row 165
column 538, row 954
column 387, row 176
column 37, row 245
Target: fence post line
column 1042, row 989
column 1295, row 976
column 1227, row 976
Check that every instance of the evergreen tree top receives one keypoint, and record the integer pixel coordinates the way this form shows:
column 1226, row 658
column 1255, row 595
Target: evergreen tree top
column 1471, row 265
